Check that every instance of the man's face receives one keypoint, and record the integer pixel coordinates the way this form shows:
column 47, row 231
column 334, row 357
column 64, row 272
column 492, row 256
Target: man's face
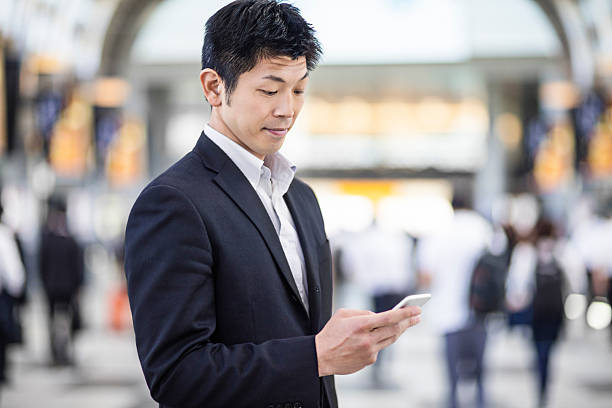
column 264, row 105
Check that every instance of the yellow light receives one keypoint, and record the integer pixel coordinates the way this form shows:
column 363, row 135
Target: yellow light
column 45, row 64
column 509, row 130
column 559, row 95
column 372, row 189
column 110, row 92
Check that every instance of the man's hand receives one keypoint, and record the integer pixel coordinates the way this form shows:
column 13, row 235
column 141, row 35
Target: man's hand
column 351, row 339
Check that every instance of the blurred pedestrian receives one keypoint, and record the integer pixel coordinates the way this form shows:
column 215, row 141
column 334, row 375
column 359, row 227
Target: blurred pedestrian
column 62, row 271
column 379, row 260
column 12, row 286
column 447, row 260
column 542, row 272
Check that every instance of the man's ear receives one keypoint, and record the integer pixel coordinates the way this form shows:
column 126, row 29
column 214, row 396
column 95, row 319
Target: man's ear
column 212, row 86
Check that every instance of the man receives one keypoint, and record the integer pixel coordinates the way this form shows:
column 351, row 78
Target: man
column 227, row 261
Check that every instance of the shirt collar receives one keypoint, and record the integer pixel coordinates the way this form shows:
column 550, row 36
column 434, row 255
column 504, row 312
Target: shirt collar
column 248, row 164
column 281, row 169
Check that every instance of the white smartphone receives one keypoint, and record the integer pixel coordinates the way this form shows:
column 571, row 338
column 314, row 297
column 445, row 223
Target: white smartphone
column 413, row 300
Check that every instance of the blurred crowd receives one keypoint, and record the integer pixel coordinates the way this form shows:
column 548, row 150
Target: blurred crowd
column 520, row 268
column 525, row 269
column 56, row 269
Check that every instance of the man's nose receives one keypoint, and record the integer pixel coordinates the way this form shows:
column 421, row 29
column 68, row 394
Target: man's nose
column 285, row 107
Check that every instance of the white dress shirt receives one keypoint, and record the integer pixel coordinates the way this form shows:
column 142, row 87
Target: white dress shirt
column 271, row 179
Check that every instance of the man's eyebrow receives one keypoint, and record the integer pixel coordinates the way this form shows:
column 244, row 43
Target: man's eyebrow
column 275, row 78
column 281, row 80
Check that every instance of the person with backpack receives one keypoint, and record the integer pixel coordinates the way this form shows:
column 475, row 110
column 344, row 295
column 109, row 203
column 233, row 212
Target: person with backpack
column 488, row 281
column 539, row 279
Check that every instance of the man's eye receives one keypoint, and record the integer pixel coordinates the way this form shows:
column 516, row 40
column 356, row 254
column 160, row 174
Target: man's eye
column 299, row 92
column 269, row 93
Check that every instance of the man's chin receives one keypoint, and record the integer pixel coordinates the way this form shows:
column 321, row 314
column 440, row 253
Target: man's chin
column 270, row 149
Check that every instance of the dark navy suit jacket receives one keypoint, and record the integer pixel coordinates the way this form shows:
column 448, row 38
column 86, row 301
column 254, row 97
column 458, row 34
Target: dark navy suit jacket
column 217, row 315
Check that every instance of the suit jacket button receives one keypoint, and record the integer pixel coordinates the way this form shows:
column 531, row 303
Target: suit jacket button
column 316, row 289
column 298, row 405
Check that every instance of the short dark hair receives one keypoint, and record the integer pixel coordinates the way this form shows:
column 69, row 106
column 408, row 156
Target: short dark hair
column 242, row 33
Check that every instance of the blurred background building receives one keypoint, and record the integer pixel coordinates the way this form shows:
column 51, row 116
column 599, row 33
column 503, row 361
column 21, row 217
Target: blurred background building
column 507, row 103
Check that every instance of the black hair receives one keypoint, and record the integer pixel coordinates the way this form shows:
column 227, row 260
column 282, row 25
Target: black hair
column 57, row 203
column 545, row 228
column 243, row 32
column 460, row 202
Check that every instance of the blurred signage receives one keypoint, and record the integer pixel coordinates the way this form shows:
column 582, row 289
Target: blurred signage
column 375, row 190
column 125, row 160
column 432, row 132
column 430, row 115
column 559, row 95
column 554, row 161
column 70, row 144
column 600, row 148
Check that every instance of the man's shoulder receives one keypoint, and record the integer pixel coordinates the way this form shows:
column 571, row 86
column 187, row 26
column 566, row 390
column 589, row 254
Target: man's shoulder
column 301, row 187
column 185, row 180
column 186, row 174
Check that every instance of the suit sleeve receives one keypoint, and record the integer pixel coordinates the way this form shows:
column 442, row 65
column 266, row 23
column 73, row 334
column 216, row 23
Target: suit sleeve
column 170, row 273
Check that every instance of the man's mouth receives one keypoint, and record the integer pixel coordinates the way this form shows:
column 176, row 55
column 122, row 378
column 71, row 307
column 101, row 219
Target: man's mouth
column 278, row 132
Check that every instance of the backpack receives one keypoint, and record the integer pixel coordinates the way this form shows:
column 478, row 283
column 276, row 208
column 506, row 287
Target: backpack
column 548, row 296
column 488, row 283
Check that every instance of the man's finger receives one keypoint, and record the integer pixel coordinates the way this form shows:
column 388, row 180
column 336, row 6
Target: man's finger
column 389, row 334
column 354, row 312
column 385, row 343
column 391, row 317
column 382, row 333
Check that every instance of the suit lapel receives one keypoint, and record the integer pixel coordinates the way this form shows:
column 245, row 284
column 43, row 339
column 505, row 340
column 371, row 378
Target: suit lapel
column 298, row 211
column 231, row 180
